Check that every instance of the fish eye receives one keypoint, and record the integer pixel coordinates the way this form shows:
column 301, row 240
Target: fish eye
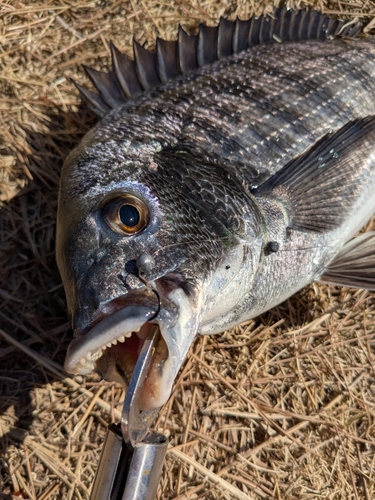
column 126, row 214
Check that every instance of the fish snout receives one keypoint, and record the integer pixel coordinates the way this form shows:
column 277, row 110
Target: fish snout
column 94, row 310
column 102, row 291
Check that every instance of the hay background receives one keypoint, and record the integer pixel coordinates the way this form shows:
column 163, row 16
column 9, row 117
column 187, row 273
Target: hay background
column 282, row 407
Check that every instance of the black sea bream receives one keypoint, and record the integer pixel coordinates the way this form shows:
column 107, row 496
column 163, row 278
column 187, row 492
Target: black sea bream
column 228, row 171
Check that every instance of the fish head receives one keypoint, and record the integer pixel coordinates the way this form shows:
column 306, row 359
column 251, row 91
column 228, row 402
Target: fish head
column 138, row 245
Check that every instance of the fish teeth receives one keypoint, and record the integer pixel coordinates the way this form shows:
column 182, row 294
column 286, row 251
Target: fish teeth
column 88, row 361
column 97, row 354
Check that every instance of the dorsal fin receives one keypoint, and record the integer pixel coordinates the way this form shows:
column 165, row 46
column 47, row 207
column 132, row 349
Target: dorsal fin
column 167, row 59
column 145, row 63
column 96, row 103
column 108, row 86
column 128, row 79
column 187, row 51
column 207, row 45
column 225, row 38
column 126, row 74
column 240, row 35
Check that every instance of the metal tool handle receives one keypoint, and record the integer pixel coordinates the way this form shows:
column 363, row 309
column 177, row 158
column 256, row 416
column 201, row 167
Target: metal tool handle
column 129, row 473
column 145, row 468
column 113, row 467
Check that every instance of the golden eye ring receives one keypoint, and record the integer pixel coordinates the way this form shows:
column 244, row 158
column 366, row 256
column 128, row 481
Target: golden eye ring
column 126, row 214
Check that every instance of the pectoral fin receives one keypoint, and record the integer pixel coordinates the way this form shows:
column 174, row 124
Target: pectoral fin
column 321, row 188
column 354, row 266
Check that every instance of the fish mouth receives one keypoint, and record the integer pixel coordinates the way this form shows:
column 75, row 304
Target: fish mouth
column 111, row 345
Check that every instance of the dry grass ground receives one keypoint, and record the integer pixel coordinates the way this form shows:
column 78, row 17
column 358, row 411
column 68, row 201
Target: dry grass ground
column 282, row 407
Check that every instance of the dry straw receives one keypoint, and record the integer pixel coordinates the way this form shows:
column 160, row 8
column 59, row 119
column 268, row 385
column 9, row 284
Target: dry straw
column 282, row 407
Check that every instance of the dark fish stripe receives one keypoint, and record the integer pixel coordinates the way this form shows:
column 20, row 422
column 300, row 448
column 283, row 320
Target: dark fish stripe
column 171, row 59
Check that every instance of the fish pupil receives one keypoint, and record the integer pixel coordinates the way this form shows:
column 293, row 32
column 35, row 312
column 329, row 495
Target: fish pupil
column 129, row 215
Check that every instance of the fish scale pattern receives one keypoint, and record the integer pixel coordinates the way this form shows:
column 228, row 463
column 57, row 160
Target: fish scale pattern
column 204, row 212
column 269, row 117
column 260, row 109
column 185, row 223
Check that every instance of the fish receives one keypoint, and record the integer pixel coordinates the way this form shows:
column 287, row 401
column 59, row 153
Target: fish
column 229, row 169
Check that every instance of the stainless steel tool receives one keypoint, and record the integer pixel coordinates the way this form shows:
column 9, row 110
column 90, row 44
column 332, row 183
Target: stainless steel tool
column 132, row 458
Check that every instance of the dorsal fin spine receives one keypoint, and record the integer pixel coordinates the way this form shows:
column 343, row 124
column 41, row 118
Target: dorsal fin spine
column 225, row 38
column 302, row 25
column 145, row 63
column 99, row 107
column 187, row 51
column 321, row 33
column 241, row 35
column 296, row 19
column 167, row 63
column 207, row 45
column 125, row 72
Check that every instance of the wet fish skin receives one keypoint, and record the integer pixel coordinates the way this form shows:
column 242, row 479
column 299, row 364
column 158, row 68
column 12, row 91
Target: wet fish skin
column 194, row 150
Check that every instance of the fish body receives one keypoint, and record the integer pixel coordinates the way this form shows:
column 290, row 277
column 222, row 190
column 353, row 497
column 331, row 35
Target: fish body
column 212, row 197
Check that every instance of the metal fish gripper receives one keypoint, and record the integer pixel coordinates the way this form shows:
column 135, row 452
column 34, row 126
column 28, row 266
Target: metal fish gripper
column 133, row 455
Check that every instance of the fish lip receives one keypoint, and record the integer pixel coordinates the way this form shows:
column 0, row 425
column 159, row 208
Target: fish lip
column 122, row 315
column 96, row 339
column 144, row 296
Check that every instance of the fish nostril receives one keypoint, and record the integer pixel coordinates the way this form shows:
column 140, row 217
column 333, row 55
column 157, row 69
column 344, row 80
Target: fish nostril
column 130, row 278
column 131, row 267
